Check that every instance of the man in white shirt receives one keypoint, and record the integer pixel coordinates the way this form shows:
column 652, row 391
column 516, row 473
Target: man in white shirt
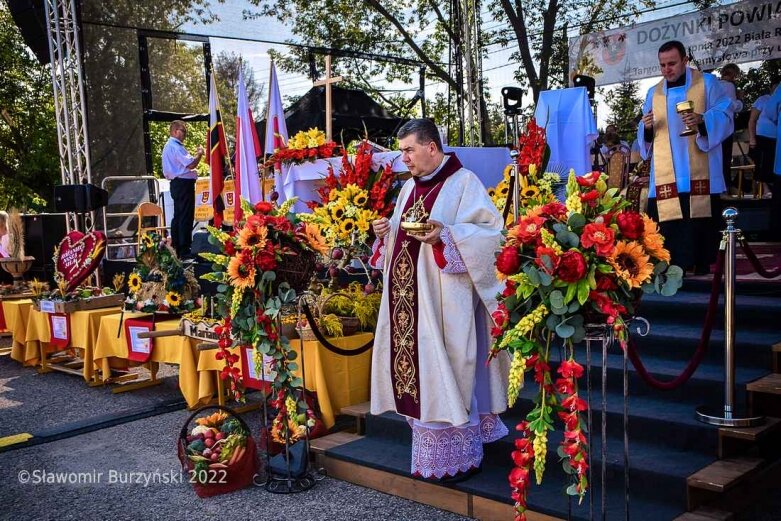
column 179, row 166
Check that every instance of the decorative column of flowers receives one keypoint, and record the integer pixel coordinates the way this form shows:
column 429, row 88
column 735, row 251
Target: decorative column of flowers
column 566, row 265
column 306, row 145
column 250, row 298
column 349, row 202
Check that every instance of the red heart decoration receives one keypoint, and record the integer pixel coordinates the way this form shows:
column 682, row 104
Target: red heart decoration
column 79, row 254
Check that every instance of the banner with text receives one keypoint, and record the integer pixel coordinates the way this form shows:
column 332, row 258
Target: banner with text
column 735, row 33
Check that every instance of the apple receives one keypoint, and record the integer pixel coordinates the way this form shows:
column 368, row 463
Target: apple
column 369, row 288
column 219, row 436
column 207, row 453
column 364, row 258
column 208, row 434
column 337, row 253
column 274, row 195
column 214, row 456
column 333, row 272
column 209, row 442
column 376, row 274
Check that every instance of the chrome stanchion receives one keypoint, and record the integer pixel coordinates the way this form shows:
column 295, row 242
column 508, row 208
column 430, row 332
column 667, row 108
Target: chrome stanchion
column 729, row 415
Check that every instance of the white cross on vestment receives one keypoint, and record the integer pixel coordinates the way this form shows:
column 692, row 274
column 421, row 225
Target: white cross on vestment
column 665, row 191
column 328, row 81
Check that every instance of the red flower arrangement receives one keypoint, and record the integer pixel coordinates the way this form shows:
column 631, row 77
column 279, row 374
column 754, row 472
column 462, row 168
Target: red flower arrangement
column 564, row 266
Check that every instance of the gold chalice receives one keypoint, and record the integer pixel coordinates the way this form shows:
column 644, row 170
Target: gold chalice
column 686, row 107
column 416, row 228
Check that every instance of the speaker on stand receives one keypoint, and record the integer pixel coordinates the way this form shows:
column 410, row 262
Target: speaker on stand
column 42, row 233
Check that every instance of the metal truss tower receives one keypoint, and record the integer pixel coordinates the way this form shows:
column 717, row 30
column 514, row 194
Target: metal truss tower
column 472, row 63
column 69, row 99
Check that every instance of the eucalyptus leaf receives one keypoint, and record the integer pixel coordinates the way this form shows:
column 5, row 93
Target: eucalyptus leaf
column 564, row 330
column 660, row 267
column 559, row 227
column 533, row 274
column 556, row 298
column 573, row 307
column 579, row 335
column 559, row 311
column 269, row 276
column 576, row 220
column 552, row 321
column 296, row 382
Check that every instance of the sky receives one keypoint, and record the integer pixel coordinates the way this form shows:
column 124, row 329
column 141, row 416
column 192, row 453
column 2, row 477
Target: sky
column 498, row 68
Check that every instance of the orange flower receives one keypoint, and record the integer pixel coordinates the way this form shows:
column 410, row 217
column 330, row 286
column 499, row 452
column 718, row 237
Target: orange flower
column 250, row 236
column 314, row 238
column 630, row 261
column 241, row 272
column 653, row 241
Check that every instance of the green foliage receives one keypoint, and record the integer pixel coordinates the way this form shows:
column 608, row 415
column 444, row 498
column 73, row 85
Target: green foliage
column 29, row 159
column 760, row 80
column 624, row 103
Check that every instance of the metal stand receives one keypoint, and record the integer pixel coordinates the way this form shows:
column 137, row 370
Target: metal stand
column 287, row 483
column 603, row 333
column 730, row 415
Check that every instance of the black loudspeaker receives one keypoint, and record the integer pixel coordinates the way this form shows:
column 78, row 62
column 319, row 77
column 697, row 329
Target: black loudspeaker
column 586, row 81
column 511, row 98
column 79, row 198
column 42, row 233
column 30, row 17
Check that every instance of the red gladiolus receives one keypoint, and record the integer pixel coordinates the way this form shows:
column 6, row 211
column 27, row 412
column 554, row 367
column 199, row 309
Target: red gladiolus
column 501, row 316
column 565, row 386
column 631, row 225
column 572, row 266
column 574, row 403
column 588, row 179
column 600, row 237
column 508, row 261
column 509, row 289
column 570, row 369
column 555, row 210
column 518, row 477
column 590, row 198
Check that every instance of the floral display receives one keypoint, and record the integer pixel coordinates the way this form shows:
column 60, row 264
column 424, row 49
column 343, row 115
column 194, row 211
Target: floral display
column 306, row 145
column 251, row 297
column 536, row 185
column 564, row 266
column 159, row 282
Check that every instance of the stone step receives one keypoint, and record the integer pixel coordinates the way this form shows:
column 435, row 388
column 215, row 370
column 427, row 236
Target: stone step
column 706, row 514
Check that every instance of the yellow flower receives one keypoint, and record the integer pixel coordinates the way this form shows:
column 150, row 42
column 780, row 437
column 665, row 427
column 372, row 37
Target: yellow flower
column 346, row 227
column 364, row 220
column 134, row 282
column 491, row 192
column 242, row 274
column 250, row 236
column 147, row 240
column 174, row 299
column 630, row 261
column 361, row 198
column 336, row 210
column 314, row 238
column 529, row 192
column 653, row 241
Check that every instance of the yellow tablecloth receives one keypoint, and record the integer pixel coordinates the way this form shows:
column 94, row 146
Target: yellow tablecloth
column 16, row 314
column 338, row 380
column 179, row 350
column 84, row 327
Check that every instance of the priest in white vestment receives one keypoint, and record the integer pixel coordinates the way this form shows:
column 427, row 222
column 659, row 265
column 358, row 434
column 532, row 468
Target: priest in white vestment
column 433, row 332
column 686, row 172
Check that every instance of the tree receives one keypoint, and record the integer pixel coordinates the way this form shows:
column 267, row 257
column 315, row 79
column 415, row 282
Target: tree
column 624, row 103
column 759, row 81
column 542, row 45
column 29, row 158
column 226, row 68
column 418, row 30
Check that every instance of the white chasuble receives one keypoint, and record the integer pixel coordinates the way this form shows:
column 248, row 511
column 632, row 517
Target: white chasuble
column 426, row 345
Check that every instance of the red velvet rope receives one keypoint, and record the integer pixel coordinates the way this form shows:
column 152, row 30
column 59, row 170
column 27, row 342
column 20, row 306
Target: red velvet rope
column 752, row 258
column 702, row 348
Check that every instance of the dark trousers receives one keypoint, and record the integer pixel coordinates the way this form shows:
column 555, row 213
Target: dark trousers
column 726, row 161
column 764, row 157
column 183, row 194
column 693, row 243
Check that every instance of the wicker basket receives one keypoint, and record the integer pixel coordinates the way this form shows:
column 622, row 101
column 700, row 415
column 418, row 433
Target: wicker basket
column 350, row 325
column 296, row 271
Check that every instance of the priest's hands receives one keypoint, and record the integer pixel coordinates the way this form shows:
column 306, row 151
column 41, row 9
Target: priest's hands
column 381, row 227
column 692, row 119
column 431, row 237
column 648, row 120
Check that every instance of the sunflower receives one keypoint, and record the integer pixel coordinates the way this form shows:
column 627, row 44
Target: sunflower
column 250, row 236
column 361, row 198
column 653, row 241
column 503, row 189
column 337, row 210
column 148, row 241
column 630, row 261
column 241, row 272
column 134, row 282
column 174, row 299
column 491, row 192
column 346, row 227
column 364, row 220
column 529, row 192
column 314, row 238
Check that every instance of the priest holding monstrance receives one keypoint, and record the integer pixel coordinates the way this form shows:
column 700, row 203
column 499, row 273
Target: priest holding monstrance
column 686, row 116
column 433, row 332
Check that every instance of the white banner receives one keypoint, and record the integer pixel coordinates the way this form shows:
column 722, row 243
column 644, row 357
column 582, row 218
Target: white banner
column 735, row 33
